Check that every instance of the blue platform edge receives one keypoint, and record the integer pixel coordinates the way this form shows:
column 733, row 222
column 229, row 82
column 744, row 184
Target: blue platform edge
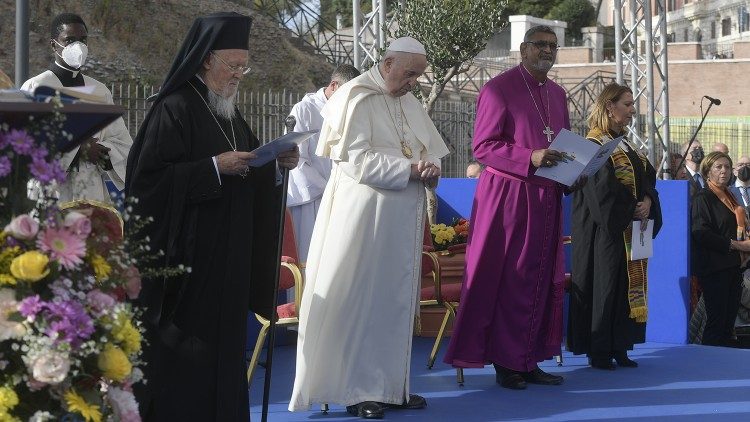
column 668, row 269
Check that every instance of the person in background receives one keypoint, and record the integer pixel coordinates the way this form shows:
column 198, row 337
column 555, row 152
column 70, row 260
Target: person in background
column 102, row 157
column 608, row 300
column 474, row 169
column 308, row 180
column 741, row 186
column 720, row 233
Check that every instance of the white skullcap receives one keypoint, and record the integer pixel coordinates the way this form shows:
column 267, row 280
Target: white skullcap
column 407, row 45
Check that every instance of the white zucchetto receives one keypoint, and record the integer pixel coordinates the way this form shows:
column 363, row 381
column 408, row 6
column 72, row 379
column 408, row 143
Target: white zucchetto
column 407, row 45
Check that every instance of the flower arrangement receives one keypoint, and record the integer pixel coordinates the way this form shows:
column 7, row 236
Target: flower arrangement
column 70, row 340
column 444, row 236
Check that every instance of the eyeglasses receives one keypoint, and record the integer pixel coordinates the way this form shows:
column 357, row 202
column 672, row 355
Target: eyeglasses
column 234, row 69
column 544, row 44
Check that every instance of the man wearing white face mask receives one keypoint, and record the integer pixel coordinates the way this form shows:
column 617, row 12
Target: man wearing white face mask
column 103, row 156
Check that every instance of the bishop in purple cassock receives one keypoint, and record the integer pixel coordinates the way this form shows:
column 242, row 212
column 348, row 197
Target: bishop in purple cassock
column 510, row 312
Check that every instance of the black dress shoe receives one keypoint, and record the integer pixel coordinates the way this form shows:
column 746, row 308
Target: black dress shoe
column 509, row 378
column 622, row 359
column 366, row 410
column 537, row 376
column 414, row 402
column 602, row 363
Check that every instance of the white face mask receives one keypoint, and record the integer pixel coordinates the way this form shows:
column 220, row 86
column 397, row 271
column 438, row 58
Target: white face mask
column 74, row 54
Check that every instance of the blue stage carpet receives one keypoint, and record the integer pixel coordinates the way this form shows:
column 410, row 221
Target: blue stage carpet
column 673, row 382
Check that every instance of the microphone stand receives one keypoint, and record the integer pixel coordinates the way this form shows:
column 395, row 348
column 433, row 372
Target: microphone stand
column 695, row 134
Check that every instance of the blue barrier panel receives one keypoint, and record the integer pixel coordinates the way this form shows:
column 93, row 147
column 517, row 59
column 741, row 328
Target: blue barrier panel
column 669, row 269
column 668, row 272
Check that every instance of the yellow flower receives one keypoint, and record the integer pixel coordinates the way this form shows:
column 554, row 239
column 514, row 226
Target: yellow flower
column 7, row 417
column 8, row 399
column 126, row 334
column 77, row 404
column 7, row 279
column 30, row 266
column 102, row 269
column 113, row 363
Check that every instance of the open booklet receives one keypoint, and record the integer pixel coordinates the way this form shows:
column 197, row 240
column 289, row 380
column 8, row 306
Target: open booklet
column 272, row 149
column 581, row 157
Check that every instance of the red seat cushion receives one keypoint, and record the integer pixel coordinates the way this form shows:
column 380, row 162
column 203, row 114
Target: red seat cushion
column 286, row 310
column 451, row 292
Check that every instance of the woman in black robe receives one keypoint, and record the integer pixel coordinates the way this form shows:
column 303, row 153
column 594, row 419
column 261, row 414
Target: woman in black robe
column 719, row 231
column 608, row 296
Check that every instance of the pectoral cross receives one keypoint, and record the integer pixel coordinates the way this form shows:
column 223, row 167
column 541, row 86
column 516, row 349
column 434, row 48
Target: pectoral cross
column 547, row 131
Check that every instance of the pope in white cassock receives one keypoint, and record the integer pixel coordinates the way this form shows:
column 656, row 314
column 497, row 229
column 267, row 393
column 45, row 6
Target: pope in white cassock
column 308, row 180
column 363, row 272
column 107, row 152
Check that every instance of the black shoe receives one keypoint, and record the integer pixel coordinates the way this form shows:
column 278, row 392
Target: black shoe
column 366, row 410
column 509, row 378
column 414, row 402
column 622, row 359
column 602, row 363
column 537, row 376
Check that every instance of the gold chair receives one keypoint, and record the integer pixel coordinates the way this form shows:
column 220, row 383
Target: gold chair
column 290, row 275
column 440, row 294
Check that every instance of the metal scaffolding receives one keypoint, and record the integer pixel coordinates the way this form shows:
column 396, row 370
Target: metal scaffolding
column 644, row 67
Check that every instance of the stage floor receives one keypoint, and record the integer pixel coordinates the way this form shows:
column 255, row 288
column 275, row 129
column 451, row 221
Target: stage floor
column 673, row 382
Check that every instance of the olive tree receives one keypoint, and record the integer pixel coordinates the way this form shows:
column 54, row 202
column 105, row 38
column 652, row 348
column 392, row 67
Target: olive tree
column 453, row 33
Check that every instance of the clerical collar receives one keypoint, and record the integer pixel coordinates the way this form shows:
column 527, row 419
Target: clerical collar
column 378, row 78
column 534, row 77
column 68, row 77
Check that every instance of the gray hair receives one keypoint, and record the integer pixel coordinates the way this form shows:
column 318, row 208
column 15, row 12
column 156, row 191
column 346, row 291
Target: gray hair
column 539, row 28
column 344, row 73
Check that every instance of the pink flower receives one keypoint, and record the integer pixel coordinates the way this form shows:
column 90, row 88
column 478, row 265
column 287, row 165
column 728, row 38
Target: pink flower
column 23, row 227
column 78, row 223
column 124, row 405
column 132, row 282
column 99, row 301
column 63, row 246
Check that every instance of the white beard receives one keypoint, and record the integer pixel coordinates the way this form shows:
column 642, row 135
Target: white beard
column 224, row 107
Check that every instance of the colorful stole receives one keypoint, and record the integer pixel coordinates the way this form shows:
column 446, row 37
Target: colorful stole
column 637, row 270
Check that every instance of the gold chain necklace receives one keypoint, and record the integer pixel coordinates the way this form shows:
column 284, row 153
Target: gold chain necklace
column 234, row 147
column 405, row 149
column 547, row 130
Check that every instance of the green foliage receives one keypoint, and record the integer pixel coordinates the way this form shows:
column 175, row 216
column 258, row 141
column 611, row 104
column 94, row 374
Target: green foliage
column 577, row 13
column 452, row 31
column 536, row 8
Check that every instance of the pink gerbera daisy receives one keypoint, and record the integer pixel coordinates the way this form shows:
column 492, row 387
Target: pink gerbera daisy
column 63, row 246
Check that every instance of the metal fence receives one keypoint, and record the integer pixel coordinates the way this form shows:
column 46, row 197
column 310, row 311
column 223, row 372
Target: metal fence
column 265, row 113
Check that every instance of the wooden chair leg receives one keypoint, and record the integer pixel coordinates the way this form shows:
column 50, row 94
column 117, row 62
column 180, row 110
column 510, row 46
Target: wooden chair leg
column 258, row 348
column 460, row 376
column 559, row 359
column 439, row 338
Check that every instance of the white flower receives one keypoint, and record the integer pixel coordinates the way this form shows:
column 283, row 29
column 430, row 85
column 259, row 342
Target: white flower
column 124, row 405
column 40, row 416
column 8, row 305
column 50, row 367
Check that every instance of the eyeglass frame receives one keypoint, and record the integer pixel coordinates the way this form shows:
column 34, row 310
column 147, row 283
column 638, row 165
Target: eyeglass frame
column 244, row 70
column 541, row 44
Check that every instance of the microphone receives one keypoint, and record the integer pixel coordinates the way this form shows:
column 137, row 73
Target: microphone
column 715, row 101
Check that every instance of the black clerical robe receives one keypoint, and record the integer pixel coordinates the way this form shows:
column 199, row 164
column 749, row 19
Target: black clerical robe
column 598, row 319
column 223, row 228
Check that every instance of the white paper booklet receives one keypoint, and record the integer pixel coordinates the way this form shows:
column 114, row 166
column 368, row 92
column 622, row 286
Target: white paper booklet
column 642, row 242
column 272, row 149
column 582, row 157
